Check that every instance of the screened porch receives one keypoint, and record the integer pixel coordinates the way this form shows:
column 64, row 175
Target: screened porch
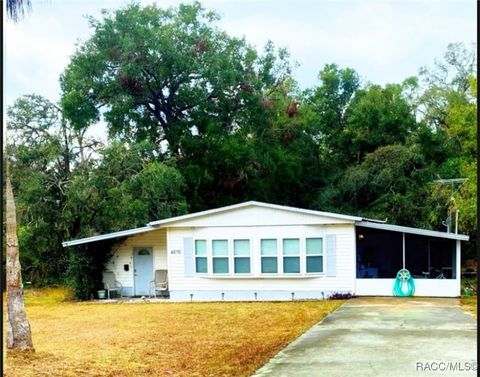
column 433, row 261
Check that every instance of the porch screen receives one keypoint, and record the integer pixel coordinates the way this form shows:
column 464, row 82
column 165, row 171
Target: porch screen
column 379, row 253
column 429, row 257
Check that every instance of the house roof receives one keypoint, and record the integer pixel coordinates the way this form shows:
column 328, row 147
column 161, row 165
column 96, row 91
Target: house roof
column 256, row 204
column 372, row 223
column 406, row 229
column 122, row 233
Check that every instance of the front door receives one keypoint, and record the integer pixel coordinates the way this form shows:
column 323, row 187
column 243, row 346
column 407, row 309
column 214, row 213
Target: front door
column 142, row 270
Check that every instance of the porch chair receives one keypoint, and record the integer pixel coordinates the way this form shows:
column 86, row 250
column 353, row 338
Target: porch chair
column 160, row 283
column 111, row 283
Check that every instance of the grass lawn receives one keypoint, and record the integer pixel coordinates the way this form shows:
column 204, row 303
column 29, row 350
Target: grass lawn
column 470, row 304
column 157, row 339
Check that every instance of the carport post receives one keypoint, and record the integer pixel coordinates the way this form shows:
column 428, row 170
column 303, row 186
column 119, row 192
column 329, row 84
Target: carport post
column 458, row 271
column 403, row 248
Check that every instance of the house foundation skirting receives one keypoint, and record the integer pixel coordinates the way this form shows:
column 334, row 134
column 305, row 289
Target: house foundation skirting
column 247, row 295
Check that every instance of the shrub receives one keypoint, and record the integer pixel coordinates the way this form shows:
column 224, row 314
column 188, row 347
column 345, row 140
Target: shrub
column 467, row 292
column 85, row 268
column 340, row 296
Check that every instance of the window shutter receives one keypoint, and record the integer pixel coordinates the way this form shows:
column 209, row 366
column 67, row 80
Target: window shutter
column 331, row 255
column 188, row 259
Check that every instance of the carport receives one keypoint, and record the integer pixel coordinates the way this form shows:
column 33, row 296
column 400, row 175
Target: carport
column 433, row 258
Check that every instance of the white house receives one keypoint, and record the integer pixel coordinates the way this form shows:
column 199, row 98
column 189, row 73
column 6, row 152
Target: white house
column 260, row 251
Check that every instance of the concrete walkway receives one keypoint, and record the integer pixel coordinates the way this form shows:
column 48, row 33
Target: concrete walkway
column 383, row 337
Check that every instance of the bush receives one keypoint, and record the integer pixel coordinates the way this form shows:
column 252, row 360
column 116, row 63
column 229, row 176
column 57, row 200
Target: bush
column 468, row 292
column 469, row 286
column 85, row 268
column 340, row 296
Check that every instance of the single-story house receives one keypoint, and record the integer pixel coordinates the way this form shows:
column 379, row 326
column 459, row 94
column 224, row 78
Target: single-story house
column 261, row 251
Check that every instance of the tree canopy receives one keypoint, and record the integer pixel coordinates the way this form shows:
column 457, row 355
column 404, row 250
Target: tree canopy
column 16, row 9
column 161, row 75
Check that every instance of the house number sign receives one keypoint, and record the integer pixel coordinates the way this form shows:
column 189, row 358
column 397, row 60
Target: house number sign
column 176, row 252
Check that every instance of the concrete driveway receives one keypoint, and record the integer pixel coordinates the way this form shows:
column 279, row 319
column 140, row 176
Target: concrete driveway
column 384, row 337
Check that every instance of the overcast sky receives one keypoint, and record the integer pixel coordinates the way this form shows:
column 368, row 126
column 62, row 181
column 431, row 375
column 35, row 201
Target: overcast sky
column 385, row 41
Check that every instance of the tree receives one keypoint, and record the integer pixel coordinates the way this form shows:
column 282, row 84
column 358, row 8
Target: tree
column 352, row 120
column 36, row 122
column 389, row 183
column 44, row 152
column 376, row 117
column 163, row 75
column 68, row 187
column 19, row 335
column 449, row 107
column 446, row 80
column 172, row 78
column 273, row 158
column 124, row 190
column 330, row 100
column 18, row 328
column 16, row 9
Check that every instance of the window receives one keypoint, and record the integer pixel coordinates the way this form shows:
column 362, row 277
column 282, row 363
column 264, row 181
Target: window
column 143, row 252
column 241, row 256
column 314, row 251
column 201, row 256
column 220, row 256
column 291, row 255
column 268, row 251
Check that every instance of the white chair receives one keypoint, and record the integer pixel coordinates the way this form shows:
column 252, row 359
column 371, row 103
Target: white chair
column 111, row 283
column 160, row 283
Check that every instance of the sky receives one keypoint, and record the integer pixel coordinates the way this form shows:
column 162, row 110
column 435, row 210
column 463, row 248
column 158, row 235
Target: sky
column 384, row 41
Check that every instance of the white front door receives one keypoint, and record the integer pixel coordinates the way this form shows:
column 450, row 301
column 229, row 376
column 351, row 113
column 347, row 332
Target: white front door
column 142, row 270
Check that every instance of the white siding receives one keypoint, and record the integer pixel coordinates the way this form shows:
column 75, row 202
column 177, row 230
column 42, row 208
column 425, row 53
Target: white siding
column 258, row 216
column 345, row 254
column 124, row 255
column 423, row 287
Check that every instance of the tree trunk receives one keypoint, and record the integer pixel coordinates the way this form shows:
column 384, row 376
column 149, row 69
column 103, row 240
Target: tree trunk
column 19, row 335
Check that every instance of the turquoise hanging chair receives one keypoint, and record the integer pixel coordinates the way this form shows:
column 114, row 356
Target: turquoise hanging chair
column 404, row 285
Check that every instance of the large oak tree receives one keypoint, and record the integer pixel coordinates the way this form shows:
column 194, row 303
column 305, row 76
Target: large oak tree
column 162, row 75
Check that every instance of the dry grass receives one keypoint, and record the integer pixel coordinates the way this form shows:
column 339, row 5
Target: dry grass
column 162, row 339
column 470, row 304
